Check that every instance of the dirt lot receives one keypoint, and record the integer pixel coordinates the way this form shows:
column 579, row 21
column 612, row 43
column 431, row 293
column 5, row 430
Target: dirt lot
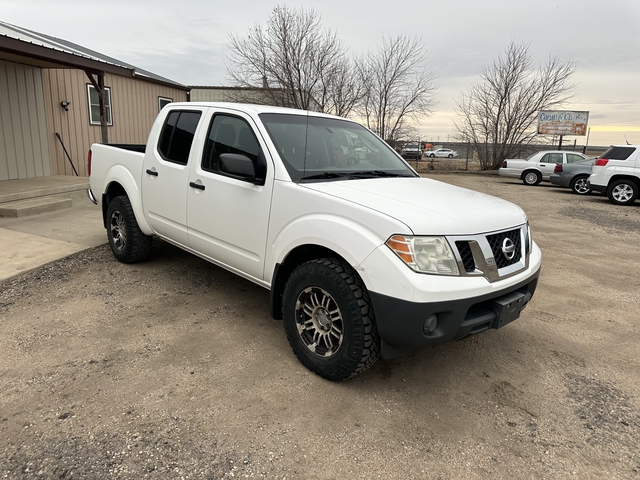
column 173, row 369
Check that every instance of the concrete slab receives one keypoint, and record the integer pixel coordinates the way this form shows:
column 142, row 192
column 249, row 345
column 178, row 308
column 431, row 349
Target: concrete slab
column 33, row 206
column 30, row 242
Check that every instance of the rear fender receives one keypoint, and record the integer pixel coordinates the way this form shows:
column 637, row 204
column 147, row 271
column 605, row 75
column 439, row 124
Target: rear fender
column 119, row 174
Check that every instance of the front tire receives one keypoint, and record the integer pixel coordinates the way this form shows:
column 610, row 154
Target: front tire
column 531, row 178
column 128, row 243
column 329, row 320
column 432, row 155
column 580, row 185
column 622, row 192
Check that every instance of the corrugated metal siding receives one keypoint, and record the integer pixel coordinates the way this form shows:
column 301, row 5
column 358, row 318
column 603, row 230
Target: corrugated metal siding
column 134, row 108
column 210, row 95
column 24, row 152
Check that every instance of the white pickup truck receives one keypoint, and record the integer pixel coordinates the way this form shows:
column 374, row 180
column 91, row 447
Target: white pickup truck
column 362, row 256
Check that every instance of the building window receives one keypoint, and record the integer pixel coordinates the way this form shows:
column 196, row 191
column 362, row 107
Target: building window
column 162, row 101
column 94, row 105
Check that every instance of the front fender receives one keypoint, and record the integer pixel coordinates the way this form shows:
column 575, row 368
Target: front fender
column 350, row 240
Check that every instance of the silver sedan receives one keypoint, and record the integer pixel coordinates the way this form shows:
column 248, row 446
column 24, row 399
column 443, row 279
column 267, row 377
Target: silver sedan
column 573, row 176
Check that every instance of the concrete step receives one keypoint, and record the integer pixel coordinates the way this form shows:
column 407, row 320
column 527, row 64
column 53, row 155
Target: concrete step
column 34, row 206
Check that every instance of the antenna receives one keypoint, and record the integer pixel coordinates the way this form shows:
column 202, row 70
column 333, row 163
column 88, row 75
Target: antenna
column 625, row 139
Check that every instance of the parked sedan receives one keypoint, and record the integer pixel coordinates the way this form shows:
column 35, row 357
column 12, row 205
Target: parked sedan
column 442, row 153
column 573, row 176
column 538, row 166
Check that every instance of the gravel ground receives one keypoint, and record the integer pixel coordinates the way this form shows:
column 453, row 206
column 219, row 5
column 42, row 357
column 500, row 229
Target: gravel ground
column 173, row 369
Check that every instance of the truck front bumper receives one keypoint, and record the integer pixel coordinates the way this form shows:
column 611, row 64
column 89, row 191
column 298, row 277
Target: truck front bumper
column 405, row 326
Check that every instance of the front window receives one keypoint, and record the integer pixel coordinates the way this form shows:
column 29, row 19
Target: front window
column 552, row 158
column 94, row 105
column 573, row 158
column 318, row 148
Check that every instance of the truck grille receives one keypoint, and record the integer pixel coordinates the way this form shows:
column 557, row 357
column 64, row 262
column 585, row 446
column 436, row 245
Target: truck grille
column 496, row 241
column 484, row 255
column 466, row 255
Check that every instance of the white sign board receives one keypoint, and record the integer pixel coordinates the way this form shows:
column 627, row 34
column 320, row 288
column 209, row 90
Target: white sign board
column 561, row 122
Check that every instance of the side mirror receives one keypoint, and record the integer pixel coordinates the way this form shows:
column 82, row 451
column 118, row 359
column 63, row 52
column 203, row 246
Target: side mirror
column 239, row 166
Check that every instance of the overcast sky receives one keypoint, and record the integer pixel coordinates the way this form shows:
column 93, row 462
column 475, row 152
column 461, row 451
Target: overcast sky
column 186, row 41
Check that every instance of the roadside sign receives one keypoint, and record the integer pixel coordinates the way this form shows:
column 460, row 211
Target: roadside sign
column 560, row 122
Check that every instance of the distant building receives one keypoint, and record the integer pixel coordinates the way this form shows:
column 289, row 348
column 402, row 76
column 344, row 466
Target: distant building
column 49, row 89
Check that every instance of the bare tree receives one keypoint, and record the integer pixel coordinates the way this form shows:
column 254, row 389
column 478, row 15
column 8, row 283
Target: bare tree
column 295, row 62
column 499, row 110
column 398, row 90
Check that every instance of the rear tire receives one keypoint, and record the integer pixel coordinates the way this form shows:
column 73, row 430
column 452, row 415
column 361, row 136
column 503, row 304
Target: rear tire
column 580, row 186
column 531, row 178
column 128, row 243
column 329, row 320
column 622, row 192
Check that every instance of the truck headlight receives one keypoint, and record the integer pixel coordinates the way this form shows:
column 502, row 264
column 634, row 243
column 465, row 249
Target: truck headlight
column 425, row 254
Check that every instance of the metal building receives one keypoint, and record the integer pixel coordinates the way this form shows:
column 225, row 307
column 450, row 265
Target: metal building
column 56, row 95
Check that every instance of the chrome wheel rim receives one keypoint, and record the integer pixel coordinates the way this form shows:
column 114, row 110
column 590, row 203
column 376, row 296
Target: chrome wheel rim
column 118, row 230
column 622, row 193
column 531, row 178
column 319, row 321
column 581, row 186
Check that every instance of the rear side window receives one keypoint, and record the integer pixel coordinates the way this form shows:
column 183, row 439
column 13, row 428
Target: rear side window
column 618, row 153
column 177, row 136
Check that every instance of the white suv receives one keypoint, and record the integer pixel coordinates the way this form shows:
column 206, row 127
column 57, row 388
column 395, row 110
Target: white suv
column 617, row 173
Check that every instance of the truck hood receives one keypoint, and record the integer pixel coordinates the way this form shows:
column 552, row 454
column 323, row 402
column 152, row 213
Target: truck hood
column 427, row 206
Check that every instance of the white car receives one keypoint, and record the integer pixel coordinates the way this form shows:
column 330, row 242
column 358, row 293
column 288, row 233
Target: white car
column 617, row 174
column 539, row 166
column 411, row 150
column 442, row 153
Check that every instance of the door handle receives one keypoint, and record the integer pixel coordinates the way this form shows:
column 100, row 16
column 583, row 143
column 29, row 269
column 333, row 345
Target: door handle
column 196, row 185
column 153, row 173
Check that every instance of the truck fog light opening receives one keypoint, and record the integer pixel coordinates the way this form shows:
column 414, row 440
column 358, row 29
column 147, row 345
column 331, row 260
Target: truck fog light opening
column 430, row 324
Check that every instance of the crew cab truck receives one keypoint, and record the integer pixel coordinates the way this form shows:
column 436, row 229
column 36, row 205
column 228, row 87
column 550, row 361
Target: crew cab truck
column 616, row 173
column 362, row 256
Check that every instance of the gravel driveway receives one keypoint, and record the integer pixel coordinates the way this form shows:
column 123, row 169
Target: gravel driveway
column 174, row 369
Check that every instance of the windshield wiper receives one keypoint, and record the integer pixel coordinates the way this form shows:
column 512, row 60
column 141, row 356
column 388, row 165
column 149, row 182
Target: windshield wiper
column 321, row 176
column 373, row 173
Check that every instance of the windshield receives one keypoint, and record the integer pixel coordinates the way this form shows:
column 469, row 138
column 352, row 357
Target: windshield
column 319, row 149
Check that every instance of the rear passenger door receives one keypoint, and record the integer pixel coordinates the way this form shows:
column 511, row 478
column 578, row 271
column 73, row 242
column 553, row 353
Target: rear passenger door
column 228, row 217
column 165, row 175
column 547, row 163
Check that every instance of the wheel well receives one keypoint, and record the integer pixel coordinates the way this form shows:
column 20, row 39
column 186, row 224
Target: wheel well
column 295, row 258
column 631, row 178
column 114, row 190
column 527, row 171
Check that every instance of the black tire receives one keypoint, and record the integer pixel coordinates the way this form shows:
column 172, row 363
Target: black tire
column 579, row 185
column 531, row 177
column 432, row 155
column 622, row 192
column 329, row 320
column 450, row 156
column 127, row 242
